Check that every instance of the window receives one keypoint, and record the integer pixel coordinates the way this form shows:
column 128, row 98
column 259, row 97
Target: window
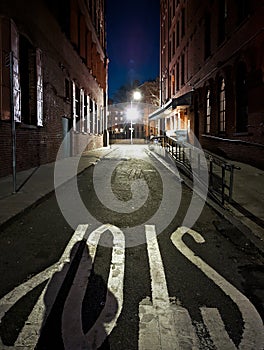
column 15, row 74
column 173, row 82
column 177, row 76
column 173, row 43
column 91, row 116
column 82, row 116
column 178, row 34
column 207, row 36
column 222, row 16
column 183, row 23
column 183, row 69
column 241, row 98
column 208, row 111
column 173, row 8
column 83, row 39
column 31, row 83
column 242, row 10
column 39, row 88
column 67, row 89
column 88, row 124
column 76, row 107
column 222, row 106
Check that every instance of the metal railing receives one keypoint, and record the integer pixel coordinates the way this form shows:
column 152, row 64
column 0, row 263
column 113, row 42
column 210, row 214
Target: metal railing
column 208, row 169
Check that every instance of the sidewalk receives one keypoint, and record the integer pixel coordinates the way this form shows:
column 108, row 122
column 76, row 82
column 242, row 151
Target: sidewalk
column 34, row 184
column 248, row 197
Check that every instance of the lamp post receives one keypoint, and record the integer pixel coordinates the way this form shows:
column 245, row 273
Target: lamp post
column 132, row 113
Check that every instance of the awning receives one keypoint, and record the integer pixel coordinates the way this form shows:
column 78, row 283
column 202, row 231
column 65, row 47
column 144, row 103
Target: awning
column 181, row 101
column 163, row 109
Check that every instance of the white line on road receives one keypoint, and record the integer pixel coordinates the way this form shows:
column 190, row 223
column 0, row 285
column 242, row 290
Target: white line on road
column 160, row 296
column 216, row 328
column 163, row 326
column 72, row 330
column 253, row 336
column 29, row 335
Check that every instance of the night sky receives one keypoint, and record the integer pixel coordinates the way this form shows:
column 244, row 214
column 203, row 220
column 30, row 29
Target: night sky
column 132, row 41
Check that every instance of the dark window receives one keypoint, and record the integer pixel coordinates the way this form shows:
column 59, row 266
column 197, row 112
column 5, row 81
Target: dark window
column 242, row 10
column 241, row 98
column 183, row 69
column 28, row 83
column 183, row 23
column 178, row 34
column 207, row 36
column 177, row 76
column 173, row 8
column 222, row 16
column 173, row 44
column 67, row 89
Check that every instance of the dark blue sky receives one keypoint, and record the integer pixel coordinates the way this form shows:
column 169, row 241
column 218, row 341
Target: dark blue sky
column 132, row 41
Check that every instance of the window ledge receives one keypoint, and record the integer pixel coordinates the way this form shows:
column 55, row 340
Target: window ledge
column 26, row 126
column 245, row 133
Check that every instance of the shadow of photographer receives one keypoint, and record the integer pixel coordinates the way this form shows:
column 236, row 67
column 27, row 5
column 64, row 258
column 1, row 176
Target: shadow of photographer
column 80, row 309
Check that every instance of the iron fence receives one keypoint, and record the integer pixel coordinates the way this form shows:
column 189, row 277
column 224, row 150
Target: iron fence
column 206, row 168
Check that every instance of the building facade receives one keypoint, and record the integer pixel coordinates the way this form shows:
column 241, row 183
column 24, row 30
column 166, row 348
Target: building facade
column 53, row 80
column 119, row 122
column 212, row 75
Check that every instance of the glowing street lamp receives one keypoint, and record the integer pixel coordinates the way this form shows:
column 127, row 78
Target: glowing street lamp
column 132, row 113
column 137, row 95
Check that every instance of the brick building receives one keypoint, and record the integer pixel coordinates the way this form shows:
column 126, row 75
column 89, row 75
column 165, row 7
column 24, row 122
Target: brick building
column 212, row 75
column 53, row 79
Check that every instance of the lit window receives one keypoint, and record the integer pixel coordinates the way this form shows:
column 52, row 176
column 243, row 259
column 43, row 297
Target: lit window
column 222, row 107
column 208, row 111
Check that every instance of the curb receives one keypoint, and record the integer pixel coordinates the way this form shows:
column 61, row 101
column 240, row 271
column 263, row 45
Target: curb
column 6, row 222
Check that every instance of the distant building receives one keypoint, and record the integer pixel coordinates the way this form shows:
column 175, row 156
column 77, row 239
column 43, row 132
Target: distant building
column 53, row 79
column 212, row 75
column 119, row 122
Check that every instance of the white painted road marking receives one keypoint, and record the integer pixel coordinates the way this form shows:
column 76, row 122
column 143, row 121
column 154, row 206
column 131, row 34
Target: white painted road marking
column 30, row 333
column 253, row 336
column 72, row 332
column 163, row 325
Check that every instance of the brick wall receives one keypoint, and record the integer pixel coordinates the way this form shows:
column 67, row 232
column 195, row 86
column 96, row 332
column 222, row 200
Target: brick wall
column 60, row 60
column 216, row 41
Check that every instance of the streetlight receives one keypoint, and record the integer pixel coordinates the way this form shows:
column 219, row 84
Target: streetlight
column 132, row 112
column 137, row 95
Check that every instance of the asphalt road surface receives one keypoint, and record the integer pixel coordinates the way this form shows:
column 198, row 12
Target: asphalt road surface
column 126, row 256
